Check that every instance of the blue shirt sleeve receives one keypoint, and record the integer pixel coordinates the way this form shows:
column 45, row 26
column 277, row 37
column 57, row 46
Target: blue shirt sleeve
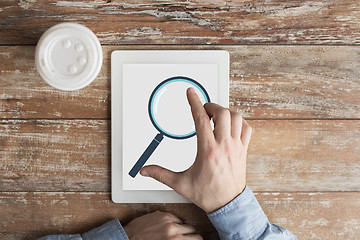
column 109, row 231
column 243, row 218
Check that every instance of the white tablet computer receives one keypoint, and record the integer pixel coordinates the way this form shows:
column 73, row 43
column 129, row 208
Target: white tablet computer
column 151, row 122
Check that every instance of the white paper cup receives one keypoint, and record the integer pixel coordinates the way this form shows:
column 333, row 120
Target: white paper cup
column 68, row 56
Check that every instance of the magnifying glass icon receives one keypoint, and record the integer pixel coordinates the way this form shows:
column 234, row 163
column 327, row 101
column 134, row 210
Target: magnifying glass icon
column 169, row 113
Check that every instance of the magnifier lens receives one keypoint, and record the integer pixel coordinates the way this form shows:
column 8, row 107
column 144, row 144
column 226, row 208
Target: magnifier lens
column 170, row 108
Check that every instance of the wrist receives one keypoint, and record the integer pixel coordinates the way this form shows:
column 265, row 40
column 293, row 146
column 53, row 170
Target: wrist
column 127, row 230
column 213, row 204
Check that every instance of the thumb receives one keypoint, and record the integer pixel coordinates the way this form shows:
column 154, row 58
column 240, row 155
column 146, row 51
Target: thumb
column 160, row 174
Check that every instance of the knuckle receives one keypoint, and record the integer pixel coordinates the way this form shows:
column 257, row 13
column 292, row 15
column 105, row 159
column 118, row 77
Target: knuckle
column 158, row 212
column 227, row 145
column 226, row 141
column 158, row 176
column 237, row 116
column 169, row 228
column 212, row 152
column 168, row 216
column 203, row 119
column 224, row 112
column 162, row 216
column 227, row 148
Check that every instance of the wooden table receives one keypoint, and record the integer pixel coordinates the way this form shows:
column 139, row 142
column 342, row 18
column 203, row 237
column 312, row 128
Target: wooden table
column 295, row 75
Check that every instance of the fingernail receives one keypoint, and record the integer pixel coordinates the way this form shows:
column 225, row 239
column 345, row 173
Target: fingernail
column 144, row 173
column 191, row 90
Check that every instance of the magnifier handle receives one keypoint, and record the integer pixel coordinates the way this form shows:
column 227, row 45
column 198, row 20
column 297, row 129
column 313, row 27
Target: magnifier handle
column 145, row 156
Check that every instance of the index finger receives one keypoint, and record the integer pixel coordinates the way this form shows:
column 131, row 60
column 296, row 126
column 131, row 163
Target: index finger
column 201, row 118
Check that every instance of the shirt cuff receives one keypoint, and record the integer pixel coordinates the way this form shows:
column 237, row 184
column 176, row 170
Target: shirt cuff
column 242, row 218
column 111, row 231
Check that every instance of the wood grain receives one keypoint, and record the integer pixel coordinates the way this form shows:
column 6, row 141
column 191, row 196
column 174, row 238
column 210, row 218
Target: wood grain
column 74, row 155
column 32, row 215
column 29, row 216
column 55, row 145
column 197, row 22
column 266, row 82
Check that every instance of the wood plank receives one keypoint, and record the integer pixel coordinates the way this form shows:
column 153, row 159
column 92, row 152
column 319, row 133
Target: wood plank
column 74, row 155
column 188, row 22
column 266, row 82
column 311, row 215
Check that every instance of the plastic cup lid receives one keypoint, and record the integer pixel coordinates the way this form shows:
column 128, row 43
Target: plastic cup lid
column 68, row 56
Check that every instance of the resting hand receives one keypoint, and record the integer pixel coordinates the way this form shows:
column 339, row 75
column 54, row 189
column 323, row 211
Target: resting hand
column 159, row 226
